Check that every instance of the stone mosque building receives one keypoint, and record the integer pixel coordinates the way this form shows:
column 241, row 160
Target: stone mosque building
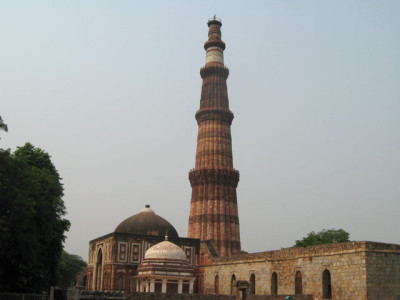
column 145, row 254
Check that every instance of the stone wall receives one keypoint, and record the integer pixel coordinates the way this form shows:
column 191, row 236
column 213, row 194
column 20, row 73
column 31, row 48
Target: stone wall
column 348, row 264
column 282, row 297
column 383, row 272
column 159, row 296
column 168, row 296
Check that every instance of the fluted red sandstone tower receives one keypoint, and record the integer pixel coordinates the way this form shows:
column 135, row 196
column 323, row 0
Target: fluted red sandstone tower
column 213, row 210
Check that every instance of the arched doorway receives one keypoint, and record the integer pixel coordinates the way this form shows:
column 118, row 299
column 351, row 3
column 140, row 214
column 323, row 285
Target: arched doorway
column 326, row 285
column 274, row 284
column 233, row 285
column 99, row 270
column 216, row 285
column 120, row 282
column 298, row 283
column 252, row 287
column 133, row 284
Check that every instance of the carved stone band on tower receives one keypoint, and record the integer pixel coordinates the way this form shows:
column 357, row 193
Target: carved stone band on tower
column 214, row 211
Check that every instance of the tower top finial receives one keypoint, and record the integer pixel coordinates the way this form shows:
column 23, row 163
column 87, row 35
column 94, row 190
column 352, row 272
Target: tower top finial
column 214, row 20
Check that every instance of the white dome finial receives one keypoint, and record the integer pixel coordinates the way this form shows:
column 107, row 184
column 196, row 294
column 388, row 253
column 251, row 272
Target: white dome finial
column 147, row 209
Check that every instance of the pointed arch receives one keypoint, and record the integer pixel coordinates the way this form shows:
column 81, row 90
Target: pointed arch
column 298, row 283
column 216, row 284
column 120, row 282
column 326, row 285
column 252, row 287
column 274, row 284
column 233, row 284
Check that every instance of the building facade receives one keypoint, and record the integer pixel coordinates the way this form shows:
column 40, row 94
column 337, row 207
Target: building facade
column 165, row 269
column 114, row 258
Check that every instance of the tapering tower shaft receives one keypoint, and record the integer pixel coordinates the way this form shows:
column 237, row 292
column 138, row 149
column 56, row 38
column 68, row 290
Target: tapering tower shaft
column 214, row 210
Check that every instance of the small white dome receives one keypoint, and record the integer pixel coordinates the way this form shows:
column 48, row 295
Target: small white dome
column 165, row 250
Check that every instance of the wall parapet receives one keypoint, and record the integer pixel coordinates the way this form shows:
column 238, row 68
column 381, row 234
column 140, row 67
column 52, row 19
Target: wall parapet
column 311, row 251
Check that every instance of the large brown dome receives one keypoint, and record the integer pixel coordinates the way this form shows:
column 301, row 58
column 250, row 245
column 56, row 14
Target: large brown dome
column 148, row 223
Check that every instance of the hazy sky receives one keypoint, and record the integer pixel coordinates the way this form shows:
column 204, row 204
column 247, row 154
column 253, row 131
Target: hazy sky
column 110, row 89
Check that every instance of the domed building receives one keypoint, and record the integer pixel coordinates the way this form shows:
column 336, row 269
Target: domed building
column 115, row 257
column 165, row 269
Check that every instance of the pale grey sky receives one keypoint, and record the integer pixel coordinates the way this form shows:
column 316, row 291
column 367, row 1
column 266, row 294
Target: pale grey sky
column 110, row 89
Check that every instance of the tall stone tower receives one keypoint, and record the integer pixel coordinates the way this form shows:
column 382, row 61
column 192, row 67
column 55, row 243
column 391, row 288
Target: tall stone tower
column 214, row 210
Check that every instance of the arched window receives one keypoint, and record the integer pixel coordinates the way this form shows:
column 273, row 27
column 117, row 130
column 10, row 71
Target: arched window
column 252, row 287
column 298, row 283
column 326, row 285
column 99, row 265
column 274, row 284
column 216, row 285
column 233, row 285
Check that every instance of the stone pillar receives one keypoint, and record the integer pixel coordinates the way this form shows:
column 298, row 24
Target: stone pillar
column 242, row 287
column 52, row 293
column 72, row 293
column 244, row 294
column 180, row 286
column 164, row 286
column 191, row 286
column 152, row 285
column 138, row 285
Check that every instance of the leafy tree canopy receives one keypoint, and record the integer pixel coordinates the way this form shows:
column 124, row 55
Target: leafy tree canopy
column 32, row 223
column 69, row 267
column 326, row 236
column 3, row 126
column 36, row 157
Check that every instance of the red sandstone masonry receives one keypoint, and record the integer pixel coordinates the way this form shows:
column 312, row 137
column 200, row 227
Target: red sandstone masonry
column 214, row 211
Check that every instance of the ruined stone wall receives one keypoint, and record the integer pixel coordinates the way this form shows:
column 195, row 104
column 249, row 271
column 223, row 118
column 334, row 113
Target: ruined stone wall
column 159, row 296
column 383, row 272
column 282, row 297
column 169, row 296
column 347, row 265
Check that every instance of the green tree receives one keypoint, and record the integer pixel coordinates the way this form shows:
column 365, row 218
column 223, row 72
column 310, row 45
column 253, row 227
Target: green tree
column 325, row 236
column 69, row 267
column 32, row 226
column 3, row 126
column 19, row 247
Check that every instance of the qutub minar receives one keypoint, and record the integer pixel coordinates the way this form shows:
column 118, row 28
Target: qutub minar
column 213, row 209
column 138, row 257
